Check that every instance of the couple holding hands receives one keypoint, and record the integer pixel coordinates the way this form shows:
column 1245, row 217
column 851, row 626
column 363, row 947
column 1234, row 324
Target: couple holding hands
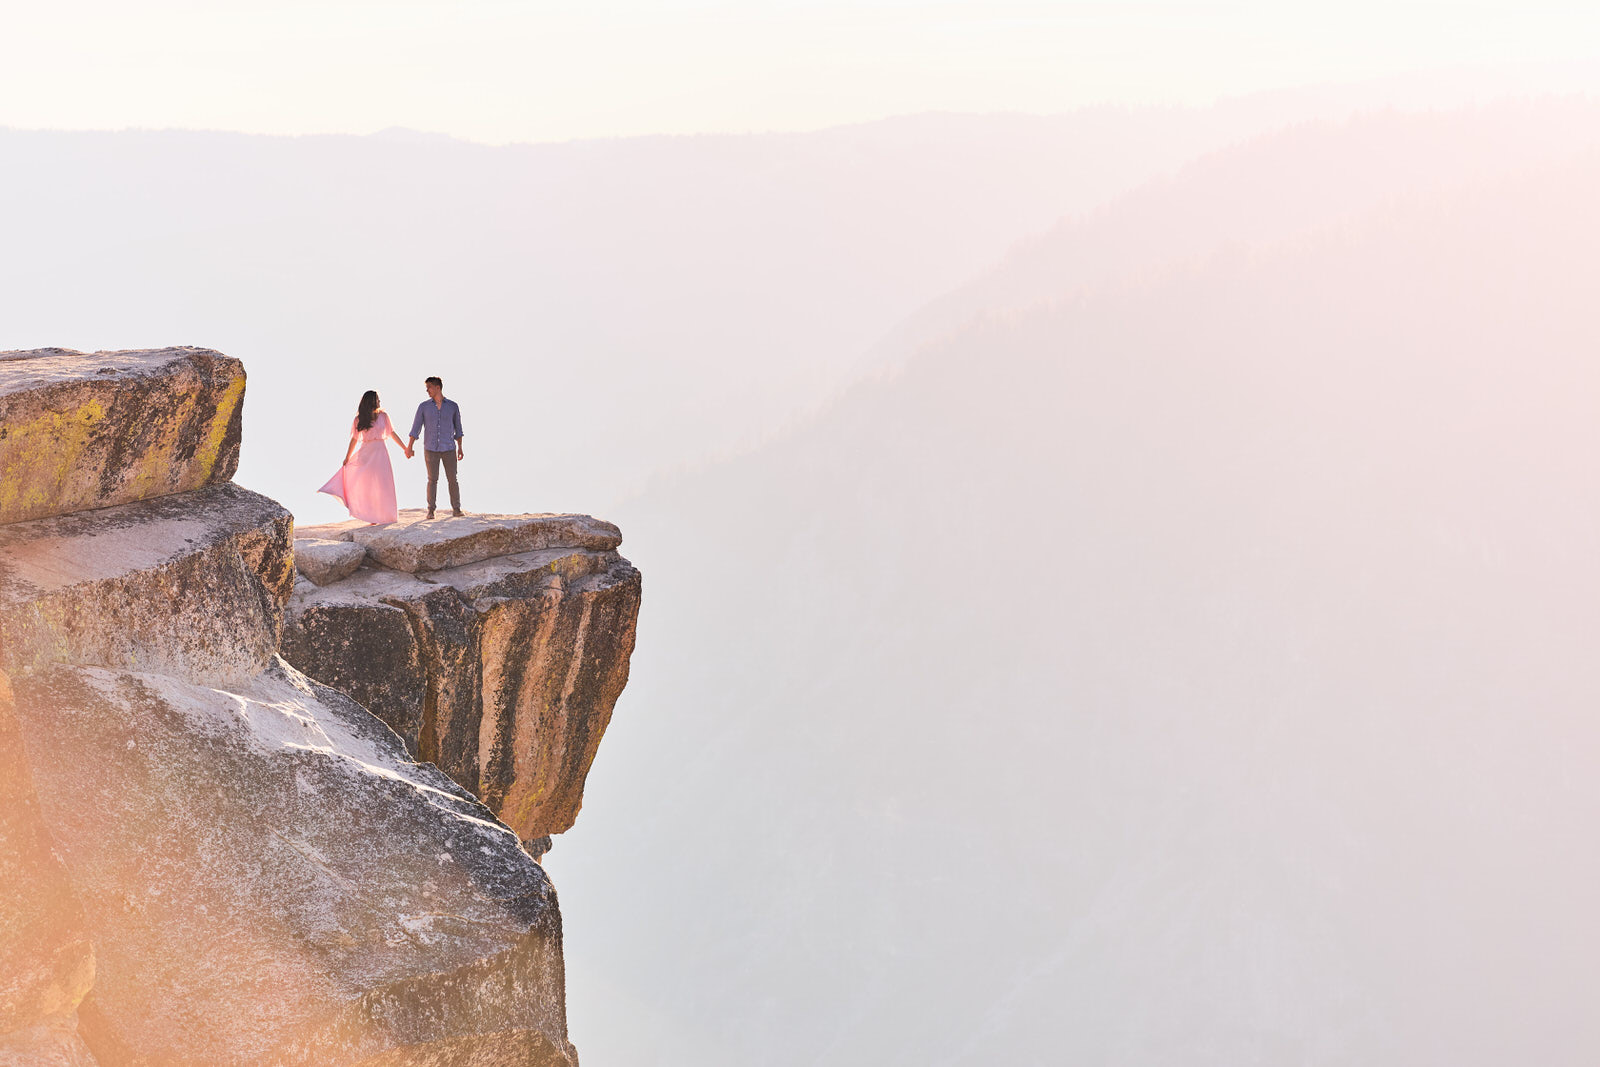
column 365, row 482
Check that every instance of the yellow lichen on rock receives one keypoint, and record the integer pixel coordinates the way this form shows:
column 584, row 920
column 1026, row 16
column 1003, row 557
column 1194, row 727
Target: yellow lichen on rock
column 210, row 450
column 38, row 457
column 80, row 431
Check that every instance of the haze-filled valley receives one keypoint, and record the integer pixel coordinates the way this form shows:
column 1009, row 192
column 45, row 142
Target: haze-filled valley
column 1191, row 668
column 1118, row 588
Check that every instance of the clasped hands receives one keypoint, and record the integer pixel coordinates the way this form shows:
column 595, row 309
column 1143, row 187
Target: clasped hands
column 411, row 452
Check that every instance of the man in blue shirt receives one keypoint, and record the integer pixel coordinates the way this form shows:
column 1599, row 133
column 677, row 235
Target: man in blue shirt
column 438, row 423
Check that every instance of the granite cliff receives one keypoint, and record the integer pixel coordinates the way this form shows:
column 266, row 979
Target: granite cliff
column 210, row 851
column 495, row 645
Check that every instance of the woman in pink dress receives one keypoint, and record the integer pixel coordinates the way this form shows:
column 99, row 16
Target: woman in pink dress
column 365, row 483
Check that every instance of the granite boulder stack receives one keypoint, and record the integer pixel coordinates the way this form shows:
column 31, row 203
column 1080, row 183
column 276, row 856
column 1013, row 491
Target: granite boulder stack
column 206, row 856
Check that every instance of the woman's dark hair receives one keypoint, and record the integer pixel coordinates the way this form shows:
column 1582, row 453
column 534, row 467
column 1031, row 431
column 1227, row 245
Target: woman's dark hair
column 368, row 410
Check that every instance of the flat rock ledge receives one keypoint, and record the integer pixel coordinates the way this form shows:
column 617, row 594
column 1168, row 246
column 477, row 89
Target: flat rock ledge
column 193, row 584
column 503, row 672
column 417, row 543
column 82, row 430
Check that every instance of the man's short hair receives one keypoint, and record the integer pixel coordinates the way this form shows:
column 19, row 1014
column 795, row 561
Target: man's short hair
column 433, row 380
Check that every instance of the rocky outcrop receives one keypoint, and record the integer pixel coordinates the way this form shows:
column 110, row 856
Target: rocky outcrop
column 81, row 430
column 205, row 856
column 503, row 670
column 47, row 959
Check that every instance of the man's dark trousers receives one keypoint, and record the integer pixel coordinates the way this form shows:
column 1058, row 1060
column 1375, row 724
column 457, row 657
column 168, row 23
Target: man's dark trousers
column 448, row 458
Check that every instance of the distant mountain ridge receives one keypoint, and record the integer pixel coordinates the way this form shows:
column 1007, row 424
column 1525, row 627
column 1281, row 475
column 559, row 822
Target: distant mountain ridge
column 704, row 286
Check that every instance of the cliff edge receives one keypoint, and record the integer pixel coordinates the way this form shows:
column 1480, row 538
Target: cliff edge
column 495, row 645
column 209, row 856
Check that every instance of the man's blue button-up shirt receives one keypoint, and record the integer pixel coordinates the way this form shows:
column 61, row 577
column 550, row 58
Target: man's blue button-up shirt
column 439, row 427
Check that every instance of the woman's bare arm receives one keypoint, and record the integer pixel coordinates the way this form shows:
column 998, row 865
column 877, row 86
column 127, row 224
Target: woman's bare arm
column 389, row 425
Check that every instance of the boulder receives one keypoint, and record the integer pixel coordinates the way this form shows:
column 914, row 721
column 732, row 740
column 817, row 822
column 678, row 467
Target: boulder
column 269, row 879
column 81, row 430
column 192, row 584
column 47, row 960
column 417, row 543
column 504, row 672
column 325, row 562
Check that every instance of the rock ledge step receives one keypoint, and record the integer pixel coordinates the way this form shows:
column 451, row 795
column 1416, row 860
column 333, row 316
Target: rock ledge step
column 417, row 543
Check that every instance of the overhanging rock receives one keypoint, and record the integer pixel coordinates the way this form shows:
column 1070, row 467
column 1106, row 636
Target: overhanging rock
column 503, row 671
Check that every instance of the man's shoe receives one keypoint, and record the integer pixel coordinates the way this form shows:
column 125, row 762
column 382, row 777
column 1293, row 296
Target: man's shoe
column 430, row 513
column 457, row 512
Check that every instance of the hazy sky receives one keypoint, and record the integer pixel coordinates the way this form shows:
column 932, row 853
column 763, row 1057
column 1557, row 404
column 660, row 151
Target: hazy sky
column 514, row 70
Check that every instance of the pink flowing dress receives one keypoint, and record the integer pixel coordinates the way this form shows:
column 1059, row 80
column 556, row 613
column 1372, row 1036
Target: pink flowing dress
column 366, row 482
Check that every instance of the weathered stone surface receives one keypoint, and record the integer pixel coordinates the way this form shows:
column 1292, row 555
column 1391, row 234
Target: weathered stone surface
column 525, row 1049
column 325, row 562
column 416, row 543
column 192, row 584
column 268, row 879
column 53, row 1044
column 365, row 649
column 81, row 430
column 46, row 957
column 503, row 672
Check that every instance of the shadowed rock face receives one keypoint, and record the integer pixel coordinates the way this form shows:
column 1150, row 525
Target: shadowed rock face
column 503, row 672
column 81, row 430
column 192, row 584
column 553, row 666
column 46, row 957
column 269, row 878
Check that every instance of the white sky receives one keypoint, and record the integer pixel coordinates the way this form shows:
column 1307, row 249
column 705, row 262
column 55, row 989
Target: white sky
column 521, row 70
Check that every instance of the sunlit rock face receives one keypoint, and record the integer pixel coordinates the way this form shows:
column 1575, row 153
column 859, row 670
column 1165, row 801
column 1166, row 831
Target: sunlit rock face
column 46, row 955
column 502, row 669
column 415, row 545
column 205, row 857
column 82, row 430
column 269, row 878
